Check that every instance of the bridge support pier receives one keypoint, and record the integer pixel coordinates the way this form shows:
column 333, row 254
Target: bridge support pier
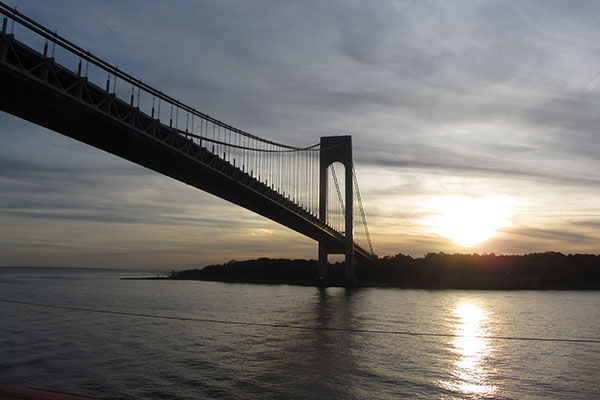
column 337, row 149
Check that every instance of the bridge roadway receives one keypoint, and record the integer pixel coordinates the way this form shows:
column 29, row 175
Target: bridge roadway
column 36, row 88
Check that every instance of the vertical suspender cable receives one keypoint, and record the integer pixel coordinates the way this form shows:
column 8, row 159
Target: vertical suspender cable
column 362, row 212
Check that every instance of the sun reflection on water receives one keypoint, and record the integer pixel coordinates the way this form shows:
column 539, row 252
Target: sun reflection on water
column 470, row 374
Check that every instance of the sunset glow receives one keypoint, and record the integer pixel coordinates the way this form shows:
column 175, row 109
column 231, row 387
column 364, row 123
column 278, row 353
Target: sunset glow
column 468, row 221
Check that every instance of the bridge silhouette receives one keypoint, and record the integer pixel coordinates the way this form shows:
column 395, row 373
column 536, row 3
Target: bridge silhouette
column 105, row 107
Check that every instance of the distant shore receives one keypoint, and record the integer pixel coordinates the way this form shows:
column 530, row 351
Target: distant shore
column 538, row 271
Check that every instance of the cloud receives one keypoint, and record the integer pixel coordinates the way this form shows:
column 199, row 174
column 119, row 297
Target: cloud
column 590, row 223
column 463, row 98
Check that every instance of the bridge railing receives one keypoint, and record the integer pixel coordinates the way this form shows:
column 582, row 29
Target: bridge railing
column 284, row 168
column 177, row 111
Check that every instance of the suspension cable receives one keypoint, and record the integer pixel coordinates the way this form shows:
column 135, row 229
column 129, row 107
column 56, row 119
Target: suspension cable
column 87, row 55
column 84, row 54
column 337, row 188
column 362, row 211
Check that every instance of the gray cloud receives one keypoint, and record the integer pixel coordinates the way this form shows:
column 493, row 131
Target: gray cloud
column 499, row 91
column 591, row 223
column 557, row 236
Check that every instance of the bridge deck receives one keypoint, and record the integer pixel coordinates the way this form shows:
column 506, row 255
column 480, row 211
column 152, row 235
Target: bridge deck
column 36, row 88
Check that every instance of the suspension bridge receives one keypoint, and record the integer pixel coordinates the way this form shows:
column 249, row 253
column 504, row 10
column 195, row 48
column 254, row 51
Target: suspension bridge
column 52, row 82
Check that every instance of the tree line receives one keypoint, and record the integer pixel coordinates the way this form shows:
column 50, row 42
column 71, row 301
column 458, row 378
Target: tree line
column 549, row 270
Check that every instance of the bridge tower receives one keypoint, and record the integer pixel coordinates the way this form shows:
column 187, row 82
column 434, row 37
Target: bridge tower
column 337, row 149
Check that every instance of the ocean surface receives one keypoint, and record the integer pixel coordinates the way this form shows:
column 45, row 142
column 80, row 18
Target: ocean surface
column 244, row 341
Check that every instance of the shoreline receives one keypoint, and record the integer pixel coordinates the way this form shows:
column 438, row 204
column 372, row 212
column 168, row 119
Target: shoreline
column 538, row 271
column 363, row 285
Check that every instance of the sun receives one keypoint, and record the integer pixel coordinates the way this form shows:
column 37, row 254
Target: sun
column 469, row 220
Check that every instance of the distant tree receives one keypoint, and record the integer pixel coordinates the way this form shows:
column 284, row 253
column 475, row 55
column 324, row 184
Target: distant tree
column 551, row 269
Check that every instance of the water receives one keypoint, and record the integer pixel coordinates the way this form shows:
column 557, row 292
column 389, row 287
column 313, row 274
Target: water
column 124, row 357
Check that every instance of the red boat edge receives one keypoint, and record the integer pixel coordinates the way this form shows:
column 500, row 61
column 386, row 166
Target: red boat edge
column 27, row 393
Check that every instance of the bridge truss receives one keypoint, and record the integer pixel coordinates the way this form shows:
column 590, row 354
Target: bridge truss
column 101, row 105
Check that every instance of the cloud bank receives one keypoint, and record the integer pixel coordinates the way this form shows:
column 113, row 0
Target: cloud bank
column 470, row 98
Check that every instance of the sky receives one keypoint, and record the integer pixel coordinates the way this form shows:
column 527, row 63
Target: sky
column 473, row 116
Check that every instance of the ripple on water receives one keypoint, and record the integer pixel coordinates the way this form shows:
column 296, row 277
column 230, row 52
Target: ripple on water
column 122, row 357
